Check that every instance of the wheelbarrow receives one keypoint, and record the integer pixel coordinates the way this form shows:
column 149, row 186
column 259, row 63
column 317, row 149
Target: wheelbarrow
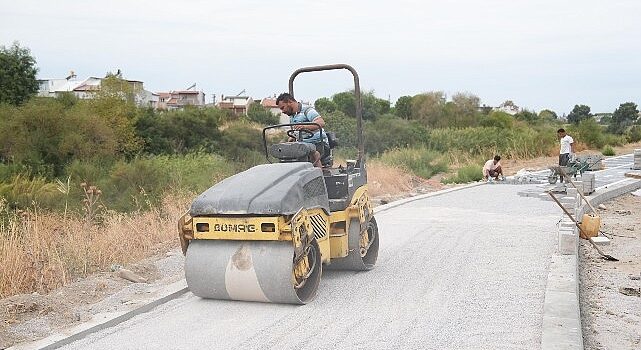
column 575, row 167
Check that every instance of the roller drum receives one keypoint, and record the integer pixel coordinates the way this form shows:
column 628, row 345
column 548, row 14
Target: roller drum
column 248, row 270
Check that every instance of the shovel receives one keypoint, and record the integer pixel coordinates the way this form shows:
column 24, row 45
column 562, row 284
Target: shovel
column 581, row 233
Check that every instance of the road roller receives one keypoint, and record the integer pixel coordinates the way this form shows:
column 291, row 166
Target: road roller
column 266, row 234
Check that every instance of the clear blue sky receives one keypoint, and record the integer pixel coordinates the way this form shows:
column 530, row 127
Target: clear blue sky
column 540, row 54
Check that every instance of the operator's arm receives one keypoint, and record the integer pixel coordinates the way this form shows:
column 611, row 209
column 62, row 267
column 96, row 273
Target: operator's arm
column 318, row 120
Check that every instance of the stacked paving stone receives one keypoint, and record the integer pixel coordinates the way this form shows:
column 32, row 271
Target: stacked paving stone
column 594, row 161
column 568, row 232
column 587, row 182
column 637, row 159
column 524, row 178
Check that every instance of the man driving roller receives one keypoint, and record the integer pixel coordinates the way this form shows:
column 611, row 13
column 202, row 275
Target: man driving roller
column 299, row 114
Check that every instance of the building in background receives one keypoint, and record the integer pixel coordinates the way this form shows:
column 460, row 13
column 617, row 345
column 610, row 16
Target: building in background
column 269, row 103
column 180, row 99
column 86, row 88
column 239, row 105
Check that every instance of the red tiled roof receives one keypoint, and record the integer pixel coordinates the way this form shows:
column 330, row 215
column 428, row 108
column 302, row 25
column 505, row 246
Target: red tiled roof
column 269, row 103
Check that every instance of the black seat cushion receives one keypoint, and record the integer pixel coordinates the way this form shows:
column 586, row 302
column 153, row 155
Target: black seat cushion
column 291, row 150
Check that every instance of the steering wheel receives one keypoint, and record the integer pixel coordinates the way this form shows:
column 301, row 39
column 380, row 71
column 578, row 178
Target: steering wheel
column 292, row 133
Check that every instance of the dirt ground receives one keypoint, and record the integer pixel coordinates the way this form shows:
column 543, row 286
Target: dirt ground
column 29, row 317
column 610, row 291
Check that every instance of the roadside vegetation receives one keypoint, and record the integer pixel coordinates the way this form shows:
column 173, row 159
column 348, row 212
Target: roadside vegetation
column 89, row 183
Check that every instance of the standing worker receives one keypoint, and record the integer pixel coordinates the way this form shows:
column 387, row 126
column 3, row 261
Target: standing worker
column 492, row 168
column 567, row 148
column 299, row 114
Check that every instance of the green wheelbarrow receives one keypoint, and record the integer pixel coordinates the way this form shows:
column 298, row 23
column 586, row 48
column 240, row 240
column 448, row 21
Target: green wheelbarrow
column 575, row 167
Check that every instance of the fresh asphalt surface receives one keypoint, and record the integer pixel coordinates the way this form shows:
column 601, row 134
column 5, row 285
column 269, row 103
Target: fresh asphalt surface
column 462, row 270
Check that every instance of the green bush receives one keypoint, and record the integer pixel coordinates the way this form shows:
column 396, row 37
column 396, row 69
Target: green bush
column 498, row 119
column 608, row 151
column 242, row 142
column 343, row 126
column 9, row 171
column 24, row 192
column 516, row 143
column 465, row 174
column 179, row 131
column 634, row 134
column 389, row 132
column 148, row 179
column 261, row 115
column 589, row 132
column 420, row 161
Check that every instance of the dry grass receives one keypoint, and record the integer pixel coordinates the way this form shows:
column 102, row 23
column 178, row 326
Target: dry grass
column 40, row 251
column 384, row 179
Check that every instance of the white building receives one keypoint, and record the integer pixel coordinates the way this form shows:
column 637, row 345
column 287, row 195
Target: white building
column 85, row 89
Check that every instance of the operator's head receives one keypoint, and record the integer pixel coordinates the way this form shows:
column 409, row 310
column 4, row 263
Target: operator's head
column 287, row 104
column 561, row 132
column 497, row 158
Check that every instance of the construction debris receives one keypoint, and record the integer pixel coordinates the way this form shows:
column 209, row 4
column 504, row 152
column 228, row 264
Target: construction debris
column 631, row 292
column 130, row 276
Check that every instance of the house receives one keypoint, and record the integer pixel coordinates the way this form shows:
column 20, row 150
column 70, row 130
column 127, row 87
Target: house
column 269, row 103
column 239, row 105
column 180, row 99
column 86, row 88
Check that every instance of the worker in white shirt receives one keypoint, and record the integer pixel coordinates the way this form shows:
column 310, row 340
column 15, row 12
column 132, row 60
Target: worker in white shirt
column 567, row 148
column 492, row 168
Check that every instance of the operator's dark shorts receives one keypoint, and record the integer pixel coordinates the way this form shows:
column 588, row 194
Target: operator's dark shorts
column 321, row 147
column 563, row 159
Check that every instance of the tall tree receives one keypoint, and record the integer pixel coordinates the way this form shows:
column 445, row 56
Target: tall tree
column 373, row 106
column 466, row 110
column 624, row 116
column 579, row 112
column 325, row 105
column 428, row 108
column 17, row 74
column 116, row 103
column 403, row 107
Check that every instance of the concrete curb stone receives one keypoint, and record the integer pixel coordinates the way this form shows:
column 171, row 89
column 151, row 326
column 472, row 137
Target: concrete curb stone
column 561, row 310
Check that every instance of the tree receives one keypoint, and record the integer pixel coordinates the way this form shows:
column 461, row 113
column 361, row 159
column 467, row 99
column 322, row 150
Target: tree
column 179, row 131
column 526, row 116
column 116, row 103
column 17, row 74
column 428, row 108
column 261, row 115
column 372, row 105
column 548, row 114
column 579, row 112
column 510, row 107
column 403, row 107
column 623, row 117
column 464, row 110
column 498, row 119
column 325, row 105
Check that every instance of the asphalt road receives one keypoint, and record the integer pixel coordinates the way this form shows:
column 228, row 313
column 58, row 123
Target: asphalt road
column 466, row 269
column 462, row 270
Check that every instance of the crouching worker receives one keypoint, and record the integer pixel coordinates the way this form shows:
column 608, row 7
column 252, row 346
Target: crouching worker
column 299, row 114
column 492, row 168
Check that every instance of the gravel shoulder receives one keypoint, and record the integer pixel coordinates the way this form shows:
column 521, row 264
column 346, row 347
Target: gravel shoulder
column 609, row 291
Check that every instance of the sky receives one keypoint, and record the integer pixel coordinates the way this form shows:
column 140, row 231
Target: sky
column 539, row 54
